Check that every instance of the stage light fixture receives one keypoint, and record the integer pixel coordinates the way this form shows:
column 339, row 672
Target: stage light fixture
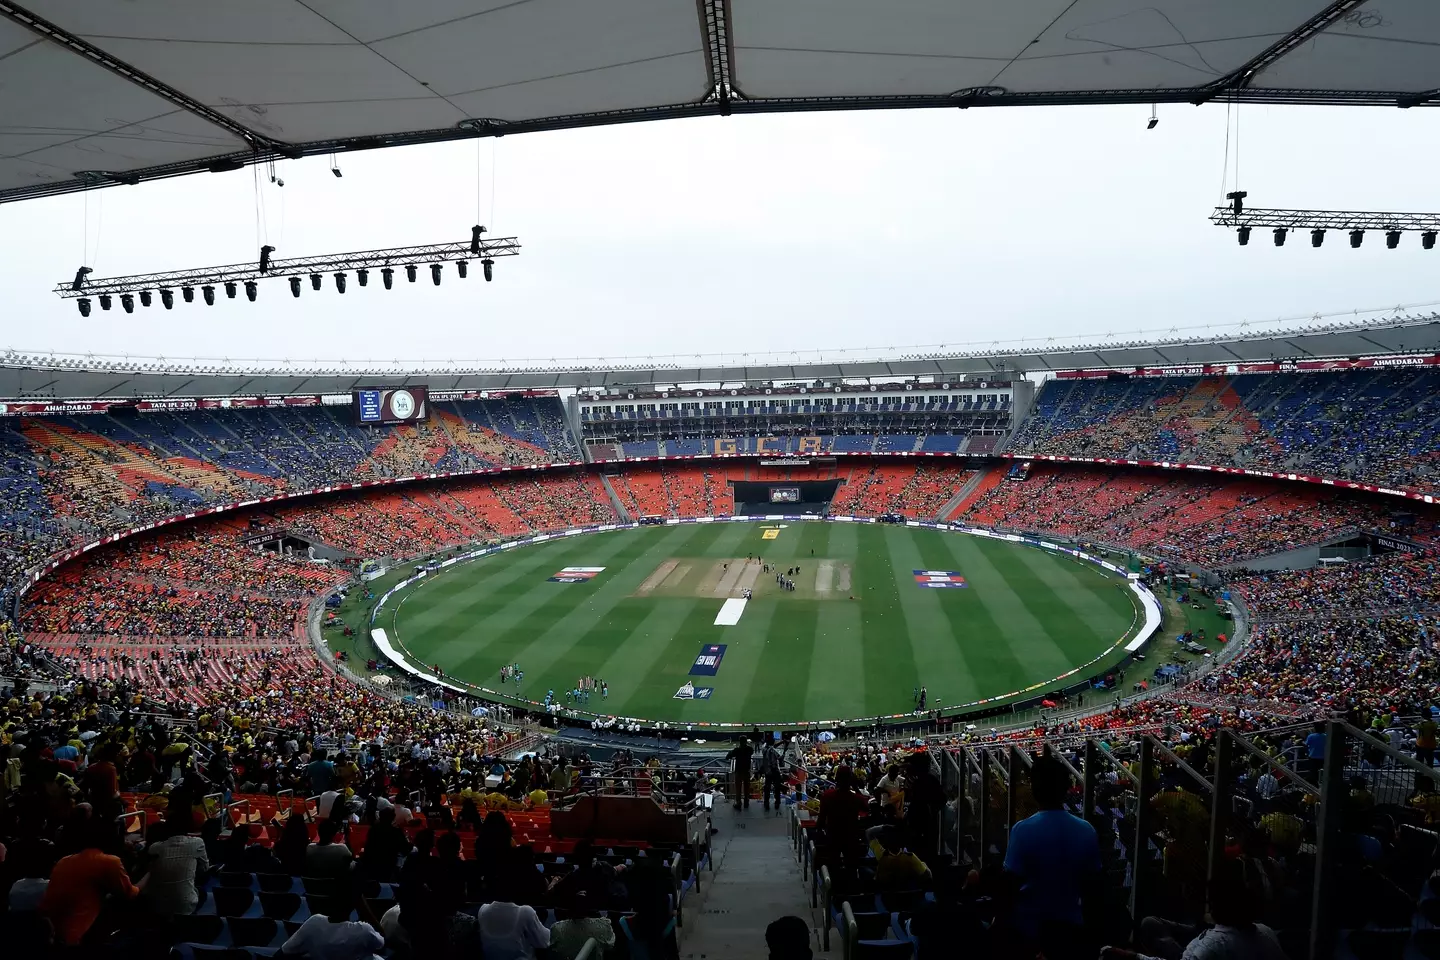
column 363, row 276
column 128, row 302
column 340, row 282
column 265, row 252
column 315, row 281
column 1151, row 123
column 84, row 304
column 1427, row 240
column 145, row 298
column 251, row 290
column 435, row 273
column 188, row 293
column 294, row 286
column 167, row 297
column 80, row 276
column 1317, row 237
column 1280, row 236
column 410, row 272
column 230, row 289
column 208, row 292
column 1243, row 235
column 463, row 268
column 489, row 266
column 1392, row 239
column 1357, row 237
column 387, row 274
column 105, row 301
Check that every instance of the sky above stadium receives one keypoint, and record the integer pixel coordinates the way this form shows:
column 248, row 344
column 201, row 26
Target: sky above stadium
column 743, row 235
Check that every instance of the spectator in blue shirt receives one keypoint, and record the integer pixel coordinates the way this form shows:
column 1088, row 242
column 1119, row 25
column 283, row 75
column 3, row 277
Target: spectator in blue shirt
column 1055, row 858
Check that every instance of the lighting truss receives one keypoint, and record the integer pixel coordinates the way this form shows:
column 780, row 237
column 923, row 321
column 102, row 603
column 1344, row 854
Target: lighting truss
column 249, row 273
column 1343, row 220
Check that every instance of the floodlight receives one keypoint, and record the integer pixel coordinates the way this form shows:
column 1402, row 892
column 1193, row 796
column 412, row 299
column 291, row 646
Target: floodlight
column 188, row 293
column 128, row 302
column 167, row 297
column 1392, row 239
column 387, row 274
column 489, row 266
column 435, row 273
column 294, row 286
column 230, row 289
column 340, row 281
column 105, row 301
column 1243, row 234
column 314, row 281
column 84, row 304
column 1427, row 240
column 363, row 276
column 1357, row 237
column 410, row 272
column 463, row 268
column 1280, row 236
column 208, row 292
column 145, row 298
column 251, row 289
column 1317, row 237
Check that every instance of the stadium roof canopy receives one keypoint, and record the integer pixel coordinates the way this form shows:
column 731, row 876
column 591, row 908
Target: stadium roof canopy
column 98, row 93
column 62, row 376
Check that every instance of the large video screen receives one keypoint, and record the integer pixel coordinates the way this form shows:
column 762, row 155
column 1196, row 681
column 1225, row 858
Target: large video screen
column 391, row 405
column 784, row 494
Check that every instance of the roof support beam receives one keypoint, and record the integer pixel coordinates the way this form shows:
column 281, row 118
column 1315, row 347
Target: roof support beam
column 39, row 25
column 1241, row 78
column 715, row 22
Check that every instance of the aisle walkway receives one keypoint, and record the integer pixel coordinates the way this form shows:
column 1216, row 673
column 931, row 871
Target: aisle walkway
column 757, row 880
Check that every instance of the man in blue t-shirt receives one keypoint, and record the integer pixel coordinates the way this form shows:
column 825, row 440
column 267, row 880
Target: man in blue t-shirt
column 321, row 772
column 1315, row 750
column 1054, row 855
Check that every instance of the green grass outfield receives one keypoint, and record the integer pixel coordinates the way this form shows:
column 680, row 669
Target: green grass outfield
column 1026, row 617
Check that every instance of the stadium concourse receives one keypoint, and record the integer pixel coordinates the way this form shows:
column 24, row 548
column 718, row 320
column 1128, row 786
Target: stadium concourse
column 154, row 673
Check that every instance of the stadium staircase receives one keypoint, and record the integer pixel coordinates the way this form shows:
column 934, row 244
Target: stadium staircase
column 615, row 502
column 757, row 879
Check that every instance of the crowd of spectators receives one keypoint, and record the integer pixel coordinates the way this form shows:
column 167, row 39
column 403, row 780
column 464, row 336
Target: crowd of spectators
column 1381, row 426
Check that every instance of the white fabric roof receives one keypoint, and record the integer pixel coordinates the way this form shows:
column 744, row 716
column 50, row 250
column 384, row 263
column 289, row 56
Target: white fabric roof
column 122, row 92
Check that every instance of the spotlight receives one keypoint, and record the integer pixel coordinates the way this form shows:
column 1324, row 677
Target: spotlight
column 1151, row 123
column 387, row 274
column 128, row 302
column 462, row 268
column 105, row 301
column 84, row 304
column 209, row 293
column 145, row 298
column 1244, row 235
column 188, row 293
column 336, row 171
column 230, row 289
column 410, row 272
column 363, row 276
column 1317, row 237
column 294, row 286
column 1357, row 237
column 1427, row 239
column 1280, row 236
column 340, row 282
column 314, row 281
column 265, row 252
column 475, row 232
column 80, row 276
column 1237, row 201
column 435, row 273
column 1392, row 239
column 251, row 289
column 167, row 297
column 489, row 266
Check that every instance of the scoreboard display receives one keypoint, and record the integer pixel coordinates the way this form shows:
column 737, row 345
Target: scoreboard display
column 784, row 494
column 391, row 405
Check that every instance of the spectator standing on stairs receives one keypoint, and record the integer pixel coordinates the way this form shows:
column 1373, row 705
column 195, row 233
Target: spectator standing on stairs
column 741, row 757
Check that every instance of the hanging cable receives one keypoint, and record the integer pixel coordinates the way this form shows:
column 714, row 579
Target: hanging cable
column 1225, row 160
column 493, row 141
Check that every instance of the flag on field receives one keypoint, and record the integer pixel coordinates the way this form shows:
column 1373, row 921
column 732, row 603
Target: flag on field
column 942, row 579
column 575, row 574
column 707, row 662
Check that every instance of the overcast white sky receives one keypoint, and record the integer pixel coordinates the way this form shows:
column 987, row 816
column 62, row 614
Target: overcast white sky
column 748, row 234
